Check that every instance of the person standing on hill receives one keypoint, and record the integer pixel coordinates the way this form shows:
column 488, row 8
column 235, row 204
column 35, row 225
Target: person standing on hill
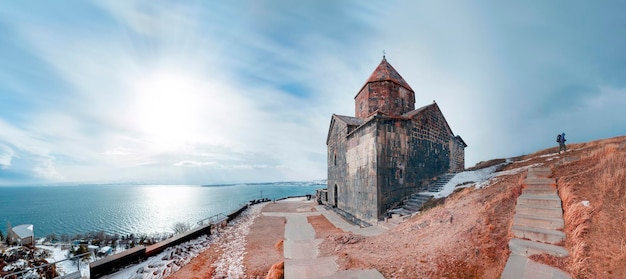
column 561, row 140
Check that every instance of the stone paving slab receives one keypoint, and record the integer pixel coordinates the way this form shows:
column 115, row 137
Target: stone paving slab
column 520, row 267
column 538, row 234
column 342, row 224
column 527, row 248
column 356, row 274
column 552, row 223
column 310, row 268
column 539, row 172
column 301, row 247
column 539, row 210
column 539, row 190
column 551, row 200
column 540, row 180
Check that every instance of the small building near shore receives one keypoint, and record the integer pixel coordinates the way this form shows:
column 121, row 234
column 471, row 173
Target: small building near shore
column 23, row 234
column 105, row 251
column 388, row 150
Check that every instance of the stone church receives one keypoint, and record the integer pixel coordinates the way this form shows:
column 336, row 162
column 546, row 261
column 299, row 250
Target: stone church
column 389, row 150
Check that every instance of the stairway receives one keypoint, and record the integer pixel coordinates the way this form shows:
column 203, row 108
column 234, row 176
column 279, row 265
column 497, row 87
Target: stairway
column 440, row 182
column 537, row 223
column 415, row 202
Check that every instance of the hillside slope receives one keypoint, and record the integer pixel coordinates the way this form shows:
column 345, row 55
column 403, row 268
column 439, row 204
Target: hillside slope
column 466, row 235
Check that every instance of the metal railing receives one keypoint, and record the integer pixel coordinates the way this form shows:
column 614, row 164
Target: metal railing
column 215, row 219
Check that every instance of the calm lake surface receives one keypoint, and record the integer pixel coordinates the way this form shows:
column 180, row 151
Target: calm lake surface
column 126, row 209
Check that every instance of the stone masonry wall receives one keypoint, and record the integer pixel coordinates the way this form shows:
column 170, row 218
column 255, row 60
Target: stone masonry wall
column 359, row 196
column 411, row 152
column 395, row 176
column 386, row 96
column 337, row 174
column 457, row 149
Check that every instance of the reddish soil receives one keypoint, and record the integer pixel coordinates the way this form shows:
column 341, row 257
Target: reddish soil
column 264, row 245
column 200, row 267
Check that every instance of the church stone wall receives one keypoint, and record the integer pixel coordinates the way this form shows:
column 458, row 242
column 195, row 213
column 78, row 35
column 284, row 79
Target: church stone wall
column 457, row 149
column 337, row 175
column 386, row 96
column 395, row 179
column 409, row 157
column 360, row 197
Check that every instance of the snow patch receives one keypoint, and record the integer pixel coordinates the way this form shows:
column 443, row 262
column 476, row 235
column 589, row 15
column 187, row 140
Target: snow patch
column 229, row 265
column 479, row 178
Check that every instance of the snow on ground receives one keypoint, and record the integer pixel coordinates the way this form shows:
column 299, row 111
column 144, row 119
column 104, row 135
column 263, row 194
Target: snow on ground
column 229, row 265
column 466, row 177
column 57, row 254
column 517, row 170
column 294, row 199
column 478, row 178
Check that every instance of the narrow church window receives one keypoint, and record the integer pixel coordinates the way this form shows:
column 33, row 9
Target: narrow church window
column 336, row 193
column 335, row 159
column 400, row 173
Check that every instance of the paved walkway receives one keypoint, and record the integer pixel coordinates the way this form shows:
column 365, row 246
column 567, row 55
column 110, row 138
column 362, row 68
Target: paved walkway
column 301, row 252
column 537, row 223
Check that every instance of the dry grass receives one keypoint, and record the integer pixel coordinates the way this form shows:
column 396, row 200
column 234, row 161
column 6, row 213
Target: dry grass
column 596, row 233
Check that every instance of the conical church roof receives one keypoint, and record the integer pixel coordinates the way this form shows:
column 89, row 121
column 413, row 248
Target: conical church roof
column 386, row 72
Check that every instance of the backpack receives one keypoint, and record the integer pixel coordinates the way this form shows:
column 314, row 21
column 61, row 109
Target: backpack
column 558, row 138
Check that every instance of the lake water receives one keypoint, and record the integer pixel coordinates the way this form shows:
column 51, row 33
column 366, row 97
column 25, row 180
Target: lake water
column 126, row 209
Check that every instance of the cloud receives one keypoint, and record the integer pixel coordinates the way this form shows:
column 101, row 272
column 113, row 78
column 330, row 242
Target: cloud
column 188, row 163
column 6, row 155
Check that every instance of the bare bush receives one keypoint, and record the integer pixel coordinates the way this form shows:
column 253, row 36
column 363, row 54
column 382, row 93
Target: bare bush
column 181, row 227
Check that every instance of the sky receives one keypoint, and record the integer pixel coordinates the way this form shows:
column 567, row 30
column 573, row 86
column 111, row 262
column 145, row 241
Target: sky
column 207, row 92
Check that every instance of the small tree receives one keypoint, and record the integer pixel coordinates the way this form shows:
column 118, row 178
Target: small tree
column 181, row 227
column 81, row 250
column 65, row 238
column 52, row 237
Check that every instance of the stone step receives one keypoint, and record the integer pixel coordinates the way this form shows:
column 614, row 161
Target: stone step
column 537, row 234
column 414, row 203
column 538, row 221
column 552, row 200
column 539, row 210
column 420, row 196
column 412, row 208
column 539, row 190
column 539, row 180
column 539, row 172
column 527, row 248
